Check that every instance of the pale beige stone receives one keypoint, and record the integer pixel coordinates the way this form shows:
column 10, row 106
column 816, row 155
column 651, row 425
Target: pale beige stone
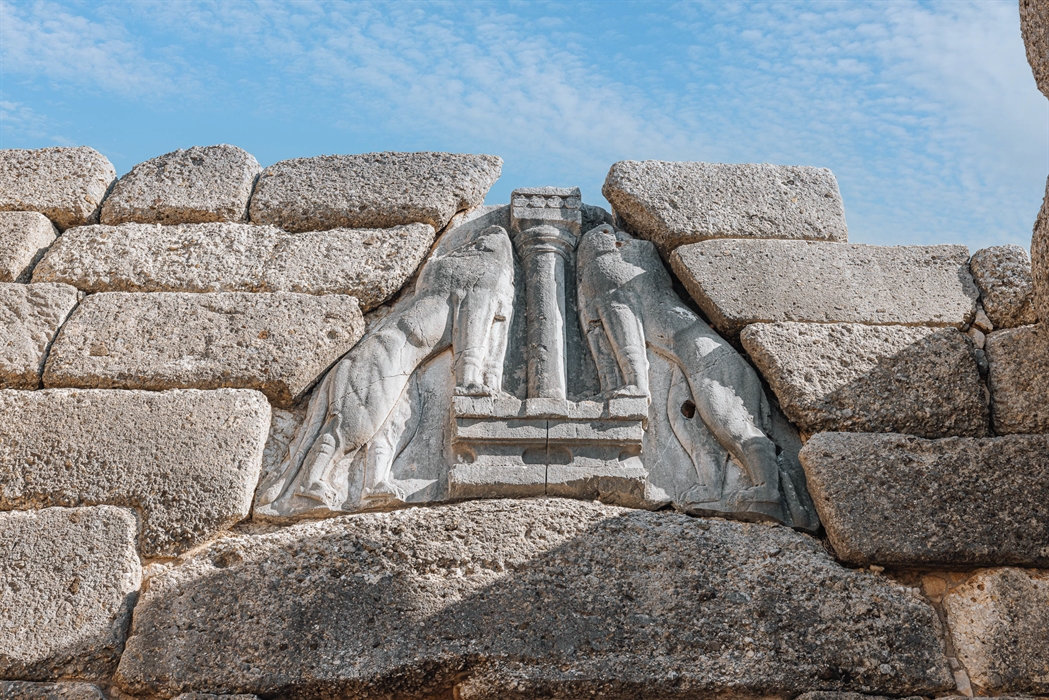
column 187, row 460
column 1003, row 274
column 1034, row 26
column 67, row 185
column 68, row 581
column 30, row 316
column 999, row 621
column 24, row 237
column 27, row 690
column 856, row 378
column 370, row 264
column 738, row 282
column 279, row 343
column 209, row 183
column 1018, row 378
column 372, row 190
column 675, row 203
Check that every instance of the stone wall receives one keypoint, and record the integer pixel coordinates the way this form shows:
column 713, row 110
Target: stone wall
column 334, row 428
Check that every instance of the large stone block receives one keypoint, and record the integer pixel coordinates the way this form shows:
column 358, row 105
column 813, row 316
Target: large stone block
column 1003, row 275
column 999, row 622
column 210, row 183
column 875, row 379
column 897, row 500
column 1040, row 260
column 672, row 204
column 370, row 264
column 30, row 316
column 740, row 282
column 24, row 237
column 280, row 343
column 69, row 578
column 1018, row 377
column 25, row 690
column 526, row 599
column 188, row 460
column 1034, row 25
column 67, row 185
column 372, row 190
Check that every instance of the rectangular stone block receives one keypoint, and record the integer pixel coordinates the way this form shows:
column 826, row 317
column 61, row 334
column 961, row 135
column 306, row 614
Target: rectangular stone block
column 210, row 183
column 673, row 204
column 897, row 500
column 188, row 460
column 1018, row 377
column 371, row 190
column 739, row 282
column 280, row 343
column 30, row 316
column 69, row 578
column 24, row 237
column 26, row 690
column 370, row 264
column 855, row 378
column 67, row 185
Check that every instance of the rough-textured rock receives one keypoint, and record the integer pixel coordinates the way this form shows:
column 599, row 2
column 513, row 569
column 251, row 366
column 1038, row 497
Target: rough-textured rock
column 1018, row 378
column 371, row 190
column 874, row 379
column 999, row 622
column 1003, row 275
column 672, row 204
column 213, row 696
column 1034, row 25
column 737, row 283
column 832, row 695
column 26, row 690
column 24, row 237
column 370, row 264
column 68, row 582
column 67, row 185
column 279, row 343
column 210, row 183
column 1040, row 260
column 188, row 460
column 30, row 316
column 525, row 599
column 898, row 500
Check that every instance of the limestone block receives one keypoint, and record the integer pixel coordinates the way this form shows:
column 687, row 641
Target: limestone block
column 672, row 204
column 1034, row 25
column 67, row 185
column 25, row 690
column 1040, row 260
column 898, row 500
column 370, row 264
column 68, row 581
column 1018, row 378
column 999, row 622
column 210, row 183
column 855, row 378
column 372, row 190
column 279, row 343
column 526, row 599
column 737, row 283
column 187, row 460
column 1003, row 275
column 30, row 316
column 24, row 237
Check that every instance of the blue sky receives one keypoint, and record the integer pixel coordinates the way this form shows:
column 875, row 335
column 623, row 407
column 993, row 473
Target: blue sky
column 926, row 112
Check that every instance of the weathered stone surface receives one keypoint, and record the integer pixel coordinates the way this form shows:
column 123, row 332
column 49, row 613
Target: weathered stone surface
column 1003, row 275
column 66, row 185
column 737, row 283
column 30, row 316
column 1034, row 25
column 855, row 378
column 999, row 622
column 188, row 460
column 68, row 582
column 904, row 501
column 832, row 695
column 672, row 204
column 25, row 690
column 370, row 264
column 209, row 183
column 1040, row 260
column 1018, row 378
column 279, row 343
column 524, row 599
column 213, row 696
column 372, row 190
column 24, row 237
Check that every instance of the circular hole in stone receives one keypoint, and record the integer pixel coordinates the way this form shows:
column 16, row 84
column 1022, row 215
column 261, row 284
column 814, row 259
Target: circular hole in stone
column 688, row 409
